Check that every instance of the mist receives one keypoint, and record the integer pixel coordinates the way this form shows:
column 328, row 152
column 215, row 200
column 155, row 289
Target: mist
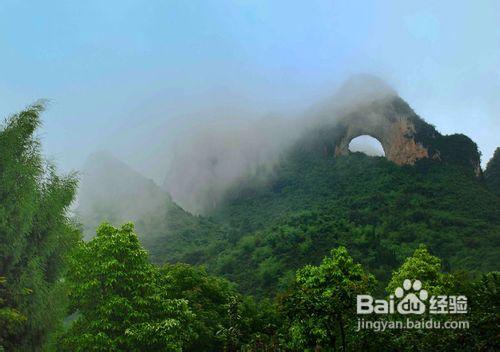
column 178, row 175
column 212, row 155
column 164, row 86
column 197, row 158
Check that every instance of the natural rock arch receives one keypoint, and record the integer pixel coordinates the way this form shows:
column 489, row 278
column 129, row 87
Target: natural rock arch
column 365, row 105
column 395, row 130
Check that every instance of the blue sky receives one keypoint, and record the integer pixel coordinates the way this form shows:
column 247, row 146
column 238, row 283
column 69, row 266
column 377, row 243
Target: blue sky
column 114, row 67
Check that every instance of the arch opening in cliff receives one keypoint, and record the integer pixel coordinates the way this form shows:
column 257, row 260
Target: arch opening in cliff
column 366, row 144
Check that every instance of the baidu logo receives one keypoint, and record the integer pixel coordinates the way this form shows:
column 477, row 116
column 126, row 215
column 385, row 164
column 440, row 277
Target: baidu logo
column 411, row 298
column 411, row 303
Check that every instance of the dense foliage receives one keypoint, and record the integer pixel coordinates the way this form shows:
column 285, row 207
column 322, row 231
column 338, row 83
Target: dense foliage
column 35, row 235
column 208, row 297
column 318, row 287
column 171, row 232
column 483, row 314
column 119, row 299
column 283, row 256
column 379, row 211
column 492, row 173
column 267, row 227
column 125, row 303
column 322, row 303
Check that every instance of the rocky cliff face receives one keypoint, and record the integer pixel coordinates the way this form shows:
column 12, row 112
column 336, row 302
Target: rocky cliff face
column 394, row 129
column 404, row 136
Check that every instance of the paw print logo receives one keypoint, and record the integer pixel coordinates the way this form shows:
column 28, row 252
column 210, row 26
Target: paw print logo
column 411, row 303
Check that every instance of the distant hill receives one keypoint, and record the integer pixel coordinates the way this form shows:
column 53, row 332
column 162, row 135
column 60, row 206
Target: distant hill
column 112, row 191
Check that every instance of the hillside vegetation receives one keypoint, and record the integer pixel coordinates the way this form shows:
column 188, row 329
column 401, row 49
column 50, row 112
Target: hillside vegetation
column 492, row 173
column 380, row 211
column 271, row 223
column 283, row 255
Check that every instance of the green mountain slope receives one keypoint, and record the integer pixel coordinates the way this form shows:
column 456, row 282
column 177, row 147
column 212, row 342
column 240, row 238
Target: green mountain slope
column 380, row 211
column 492, row 173
column 267, row 227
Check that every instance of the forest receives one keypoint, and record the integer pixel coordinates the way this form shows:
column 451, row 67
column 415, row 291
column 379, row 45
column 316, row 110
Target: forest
column 275, row 266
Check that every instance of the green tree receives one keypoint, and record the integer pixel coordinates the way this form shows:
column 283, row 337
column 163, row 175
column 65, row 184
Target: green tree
column 208, row 297
column 225, row 320
column 320, row 308
column 120, row 302
column 35, row 235
column 424, row 267
column 483, row 296
column 483, row 314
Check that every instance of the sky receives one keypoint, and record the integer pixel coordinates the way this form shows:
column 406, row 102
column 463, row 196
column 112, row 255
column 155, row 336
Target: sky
column 122, row 74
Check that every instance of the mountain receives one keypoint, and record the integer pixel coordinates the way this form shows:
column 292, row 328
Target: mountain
column 380, row 211
column 365, row 105
column 317, row 195
column 112, row 191
column 492, row 173
column 215, row 155
column 317, row 198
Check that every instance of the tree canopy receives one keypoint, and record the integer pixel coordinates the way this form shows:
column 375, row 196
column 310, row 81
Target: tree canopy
column 35, row 235
column 116, row 294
